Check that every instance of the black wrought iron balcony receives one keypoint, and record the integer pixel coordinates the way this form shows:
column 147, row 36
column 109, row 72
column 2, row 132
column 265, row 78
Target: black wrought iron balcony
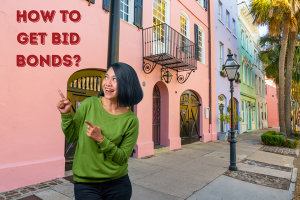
column 165, row 46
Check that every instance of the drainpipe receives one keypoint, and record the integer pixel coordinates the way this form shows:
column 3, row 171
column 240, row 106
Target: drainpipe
column 209, row 67
column 113, row 33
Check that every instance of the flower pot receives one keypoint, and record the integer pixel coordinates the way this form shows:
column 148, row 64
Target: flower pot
column 223, row 136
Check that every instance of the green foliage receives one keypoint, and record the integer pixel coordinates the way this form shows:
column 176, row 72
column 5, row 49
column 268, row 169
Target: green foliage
column 270, row 57
column 272, row 138
column 237, row 118
column 225, row 118
column 228, row 109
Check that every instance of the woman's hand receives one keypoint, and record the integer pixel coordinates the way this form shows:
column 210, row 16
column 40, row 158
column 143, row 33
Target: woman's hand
column 94, row 132
column 64, row 106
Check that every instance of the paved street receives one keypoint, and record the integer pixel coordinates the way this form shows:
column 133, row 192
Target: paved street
column 197, row 172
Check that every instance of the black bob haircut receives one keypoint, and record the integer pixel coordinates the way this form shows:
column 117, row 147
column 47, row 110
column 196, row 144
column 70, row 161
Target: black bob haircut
column 129, row 88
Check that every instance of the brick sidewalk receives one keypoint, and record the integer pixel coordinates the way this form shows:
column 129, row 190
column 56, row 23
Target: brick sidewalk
column 280, row 150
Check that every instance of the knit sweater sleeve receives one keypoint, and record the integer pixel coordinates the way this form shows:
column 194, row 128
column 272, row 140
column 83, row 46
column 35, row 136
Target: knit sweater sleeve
column 71, row 126
column 121, row 154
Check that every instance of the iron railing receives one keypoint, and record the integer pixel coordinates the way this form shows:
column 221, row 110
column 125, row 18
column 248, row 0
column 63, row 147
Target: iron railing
column 167, row 47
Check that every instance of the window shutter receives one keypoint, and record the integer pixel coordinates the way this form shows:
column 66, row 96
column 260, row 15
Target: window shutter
column 138, row 13
column 205, row 4
column 106, row 5
column 196, row 42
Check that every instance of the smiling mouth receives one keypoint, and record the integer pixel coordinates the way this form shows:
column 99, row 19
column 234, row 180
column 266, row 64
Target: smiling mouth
column 109, row 90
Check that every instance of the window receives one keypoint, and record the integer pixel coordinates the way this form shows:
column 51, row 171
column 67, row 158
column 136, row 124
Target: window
column 124, row 9
column 253, row 118
column 262, row 88
column 255, row 84
column 242, row 38
column 266, row 89
column 159, row 12
column 199, row 34
column 243, row 110
column 255, row 61
column 220, row 10
column 259, row 88
column 184, row 32
column 221, row 56
column 248, row 77
column 233, row 27
column 246, row 43
column 244, row 74
column 227, row 19
column 202, row 3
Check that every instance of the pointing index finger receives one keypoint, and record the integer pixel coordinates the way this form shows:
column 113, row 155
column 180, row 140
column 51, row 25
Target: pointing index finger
column 89, row 123
column 61, row 94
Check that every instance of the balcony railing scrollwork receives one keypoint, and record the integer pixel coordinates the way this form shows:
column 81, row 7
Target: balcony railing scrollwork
column 165, row 46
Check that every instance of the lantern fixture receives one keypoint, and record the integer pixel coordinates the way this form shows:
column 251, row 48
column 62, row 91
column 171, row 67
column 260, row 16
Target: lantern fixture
column 221, row 107
column 231, row 67
column 166, row 75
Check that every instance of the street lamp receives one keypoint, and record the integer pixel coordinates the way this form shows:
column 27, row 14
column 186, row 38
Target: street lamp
column 231, row 67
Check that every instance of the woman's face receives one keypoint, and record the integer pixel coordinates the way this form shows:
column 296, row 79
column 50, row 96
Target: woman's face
column 109, row 85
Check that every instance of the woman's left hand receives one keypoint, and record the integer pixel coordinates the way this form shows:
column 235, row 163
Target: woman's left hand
column 94, row 132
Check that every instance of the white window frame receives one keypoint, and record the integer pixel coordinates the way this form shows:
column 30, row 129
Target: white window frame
column 220, row 10
column 243, row 110
column 227, row 19
column 248, row 77
column 183, row 14
column 244, row 73
column 200, row 29
column 242, row 37
column 221, row 55
column 255, row 84
column 167, row 11
column 201, row 3
column 130, row 12
column 233, row 26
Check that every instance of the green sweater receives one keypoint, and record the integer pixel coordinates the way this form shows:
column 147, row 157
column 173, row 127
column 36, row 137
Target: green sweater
column 107, row 160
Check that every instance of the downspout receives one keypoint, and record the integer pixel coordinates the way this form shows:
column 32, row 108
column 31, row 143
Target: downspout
column 209, row 67
column 113, row 33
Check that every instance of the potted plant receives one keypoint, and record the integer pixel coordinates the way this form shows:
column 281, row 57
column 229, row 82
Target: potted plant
column 224, row 118
column 237, row 78
column 222, row 73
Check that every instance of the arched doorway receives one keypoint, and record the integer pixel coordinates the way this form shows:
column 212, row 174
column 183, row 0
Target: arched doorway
column 189, row 117
column 235, row 113
column 81, row 85
column 156, row 137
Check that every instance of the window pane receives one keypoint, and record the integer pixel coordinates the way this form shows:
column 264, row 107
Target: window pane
column 121, row 15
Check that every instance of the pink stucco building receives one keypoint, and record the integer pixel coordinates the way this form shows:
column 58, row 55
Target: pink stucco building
column 272, row 102
column 32, row 145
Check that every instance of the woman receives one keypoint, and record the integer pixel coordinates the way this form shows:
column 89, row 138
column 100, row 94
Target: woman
column 106, row 132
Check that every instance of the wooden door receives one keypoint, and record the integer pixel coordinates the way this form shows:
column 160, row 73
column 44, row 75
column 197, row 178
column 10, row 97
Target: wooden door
column 189, row 117
column 81, row 85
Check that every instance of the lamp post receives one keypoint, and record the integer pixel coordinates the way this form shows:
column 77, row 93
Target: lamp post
column 231, row 67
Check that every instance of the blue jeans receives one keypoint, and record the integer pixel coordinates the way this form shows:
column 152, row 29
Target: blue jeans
column 118, row 189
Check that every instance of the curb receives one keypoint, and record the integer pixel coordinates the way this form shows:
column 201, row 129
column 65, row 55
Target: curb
column 294, row 175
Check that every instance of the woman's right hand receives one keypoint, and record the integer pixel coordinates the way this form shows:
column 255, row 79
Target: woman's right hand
column 64, row 106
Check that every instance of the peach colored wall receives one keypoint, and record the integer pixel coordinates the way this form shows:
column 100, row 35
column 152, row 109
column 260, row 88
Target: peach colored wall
column 32, row 143
column 272, row 102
